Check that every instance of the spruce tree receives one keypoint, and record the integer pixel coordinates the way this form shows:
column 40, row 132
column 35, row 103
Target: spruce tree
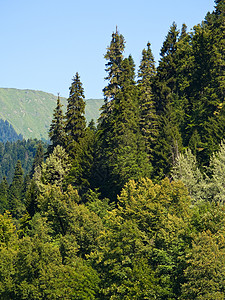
column 31, row 196
column 38, row 158
column 201, row 80
column 114, row 56
column 214, row 93
column 148, row 117
column 57, row 131
column 80, row 139
column 169, row 144
column 75, row 119
column 124, row 151
column 31, row 192
column 206, row 86
column 16, row 205
column 165, row 81
column 4, row 195
column 184, row 69
column 127, row 145
column 18, row 175
column 168, row 106
column 82, row 169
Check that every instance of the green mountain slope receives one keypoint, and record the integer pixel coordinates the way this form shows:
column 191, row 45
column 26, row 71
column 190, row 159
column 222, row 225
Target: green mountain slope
column 30, row 112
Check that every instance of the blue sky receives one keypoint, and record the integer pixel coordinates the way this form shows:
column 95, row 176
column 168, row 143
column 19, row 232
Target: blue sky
column 45, row 42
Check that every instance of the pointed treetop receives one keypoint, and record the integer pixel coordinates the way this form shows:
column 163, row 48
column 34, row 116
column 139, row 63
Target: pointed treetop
column 147, row 66
column 56, row 131
column 169, row 45
column 127, row 76
column 75, row 119
column 38, row 158
column 114, row 56
column 183, row 31
column 76, row 85
column 18, row 175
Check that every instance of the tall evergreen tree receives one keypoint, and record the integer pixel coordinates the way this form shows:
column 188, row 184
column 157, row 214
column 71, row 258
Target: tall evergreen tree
column 169, row 143
column 214, row 91
column 18, row 175
column 124, row 151
column 75, row 119
column 148, row 117
column 31, row 190
column 165, row 81
column 80, row 139
column 16, row 205
column 82, row 169
column 114, row 56
column 57, row 131
column 206, row 87
column 4, row 195
column 31, row 196
column 168, row 106
column 38, row 158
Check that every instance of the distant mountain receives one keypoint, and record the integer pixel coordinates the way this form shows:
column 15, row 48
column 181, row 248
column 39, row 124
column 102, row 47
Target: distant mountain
column 30, row 112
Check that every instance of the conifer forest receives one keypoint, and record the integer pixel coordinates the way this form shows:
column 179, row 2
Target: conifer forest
column 132, row 207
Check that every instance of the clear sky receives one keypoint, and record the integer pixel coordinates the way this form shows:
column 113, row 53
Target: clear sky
column 45, row 42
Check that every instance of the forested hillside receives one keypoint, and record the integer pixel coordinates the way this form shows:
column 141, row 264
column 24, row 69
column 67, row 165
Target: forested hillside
column 30, row 112
column 22, row 150
column 132, row 208
column 8, row 133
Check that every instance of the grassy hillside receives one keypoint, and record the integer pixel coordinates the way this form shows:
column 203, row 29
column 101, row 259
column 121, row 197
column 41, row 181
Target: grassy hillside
column 30, row 112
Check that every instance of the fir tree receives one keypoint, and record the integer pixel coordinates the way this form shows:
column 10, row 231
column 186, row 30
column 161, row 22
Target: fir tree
column 168, row 106
column 169, row 144
column 38, row 159
column 114, row 56
column 4, row 195
column 165, row 81
column 15, row 192
column 31, row 196
column 214, row 91
column 57, row 131
column 124, row 153
column 148, row 117
column 18, row 175
column 82, row 169
column 75, row 119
